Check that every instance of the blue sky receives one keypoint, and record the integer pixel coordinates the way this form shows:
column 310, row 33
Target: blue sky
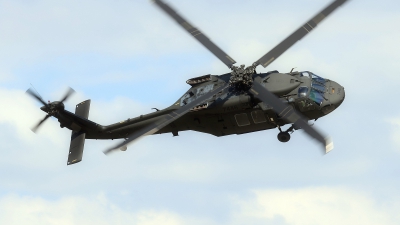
column 128, row 57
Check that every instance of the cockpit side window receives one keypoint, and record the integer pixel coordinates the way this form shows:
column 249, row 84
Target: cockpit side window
column 305, row 74
column 303, row 91
column 313, row 76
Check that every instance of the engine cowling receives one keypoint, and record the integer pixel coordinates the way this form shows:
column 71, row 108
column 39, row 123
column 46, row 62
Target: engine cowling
column 280, row 83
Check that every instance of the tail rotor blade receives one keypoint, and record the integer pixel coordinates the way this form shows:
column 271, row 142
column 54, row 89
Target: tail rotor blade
column 48, row 107
column 68, row 94
column 37, row 97
column 35, row 128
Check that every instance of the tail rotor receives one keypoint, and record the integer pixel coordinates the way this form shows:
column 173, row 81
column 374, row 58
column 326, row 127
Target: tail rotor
column 51, row 108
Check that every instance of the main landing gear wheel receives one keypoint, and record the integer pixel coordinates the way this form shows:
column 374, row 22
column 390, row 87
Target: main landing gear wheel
column 283, row 136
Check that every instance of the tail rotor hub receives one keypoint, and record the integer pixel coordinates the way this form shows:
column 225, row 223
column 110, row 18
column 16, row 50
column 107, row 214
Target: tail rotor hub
column 51, row 108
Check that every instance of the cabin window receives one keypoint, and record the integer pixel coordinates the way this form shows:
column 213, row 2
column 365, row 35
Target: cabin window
column 258, row 116
column 242, row 119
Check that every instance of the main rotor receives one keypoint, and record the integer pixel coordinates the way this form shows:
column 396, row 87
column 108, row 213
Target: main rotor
column 242, row 77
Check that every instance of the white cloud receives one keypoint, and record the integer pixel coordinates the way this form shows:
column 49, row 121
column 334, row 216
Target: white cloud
column 22, row 112
column 117, row 109
column 18, row 210
column 23, row 147
column 319, row 205
column 304, row 206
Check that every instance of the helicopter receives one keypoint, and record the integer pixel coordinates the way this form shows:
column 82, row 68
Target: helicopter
column 238, row 102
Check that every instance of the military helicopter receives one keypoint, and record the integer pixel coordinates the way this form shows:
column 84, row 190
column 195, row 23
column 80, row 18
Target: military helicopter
column 240, row 101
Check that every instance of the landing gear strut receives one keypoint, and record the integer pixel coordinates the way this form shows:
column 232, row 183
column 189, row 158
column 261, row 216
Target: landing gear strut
column 284, row 136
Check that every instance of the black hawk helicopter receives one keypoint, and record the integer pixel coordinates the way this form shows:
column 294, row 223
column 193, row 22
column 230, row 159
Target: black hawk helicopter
column 238, row 102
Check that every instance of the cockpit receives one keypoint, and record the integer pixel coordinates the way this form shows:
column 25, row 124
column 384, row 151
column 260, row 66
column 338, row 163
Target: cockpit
column 316, row 90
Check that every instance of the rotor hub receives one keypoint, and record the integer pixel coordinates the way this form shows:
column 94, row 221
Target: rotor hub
column 53, row 107
column 241, row 77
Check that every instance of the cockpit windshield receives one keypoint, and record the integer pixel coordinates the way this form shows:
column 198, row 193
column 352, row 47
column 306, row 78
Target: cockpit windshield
column 317, row 87
column 305, row 74
column 316, row 96
column 314, row 77
column 317, row 79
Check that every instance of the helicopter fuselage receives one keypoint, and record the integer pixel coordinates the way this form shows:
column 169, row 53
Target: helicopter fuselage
column 228, row 112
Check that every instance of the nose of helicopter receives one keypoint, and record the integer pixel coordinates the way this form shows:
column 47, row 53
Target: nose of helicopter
column 335, row 96
column 336, row 92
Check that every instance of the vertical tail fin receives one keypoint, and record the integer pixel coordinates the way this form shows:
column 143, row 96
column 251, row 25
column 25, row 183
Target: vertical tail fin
column 78, row 137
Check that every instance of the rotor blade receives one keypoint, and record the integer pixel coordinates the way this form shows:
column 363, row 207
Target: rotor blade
column 68, row 94
column 288, row 113
column 203, row 39
column 167, row 119
column 298, row 34
column 34, row 95
column 35, row 128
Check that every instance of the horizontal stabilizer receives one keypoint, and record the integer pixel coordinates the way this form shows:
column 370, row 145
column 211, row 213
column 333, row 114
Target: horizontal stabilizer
column 76, row 147
column 78, row 137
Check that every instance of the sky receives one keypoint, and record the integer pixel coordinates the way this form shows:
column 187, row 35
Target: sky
column 128, row 57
